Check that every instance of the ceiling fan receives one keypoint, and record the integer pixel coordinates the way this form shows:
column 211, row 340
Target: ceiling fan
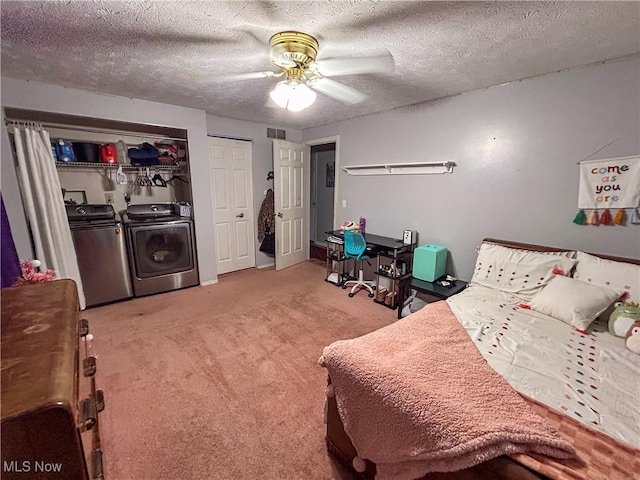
column 295, row 54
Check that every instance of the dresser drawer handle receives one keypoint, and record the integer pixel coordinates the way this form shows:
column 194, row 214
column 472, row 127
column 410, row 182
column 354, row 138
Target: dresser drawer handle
column 86, row 414
column 83, row 329
column 99, row 401
column 89, row 366
column 96, row 465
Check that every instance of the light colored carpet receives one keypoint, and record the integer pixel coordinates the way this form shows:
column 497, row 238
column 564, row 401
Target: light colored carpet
column 222, row 382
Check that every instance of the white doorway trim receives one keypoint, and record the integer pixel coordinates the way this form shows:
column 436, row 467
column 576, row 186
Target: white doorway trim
column 321, row 141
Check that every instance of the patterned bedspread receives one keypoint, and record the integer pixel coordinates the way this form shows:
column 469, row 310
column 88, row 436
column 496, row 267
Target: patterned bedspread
column 587, row 386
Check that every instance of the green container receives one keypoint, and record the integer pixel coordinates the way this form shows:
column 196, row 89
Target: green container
column 429, row 262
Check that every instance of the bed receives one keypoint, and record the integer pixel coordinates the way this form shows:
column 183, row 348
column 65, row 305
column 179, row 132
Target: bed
column 571, row 372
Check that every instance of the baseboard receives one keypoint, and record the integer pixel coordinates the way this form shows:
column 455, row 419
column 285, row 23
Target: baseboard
column 267, row 265
column 208, row 282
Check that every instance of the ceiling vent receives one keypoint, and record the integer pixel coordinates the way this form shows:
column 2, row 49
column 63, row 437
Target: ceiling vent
column 275, row 133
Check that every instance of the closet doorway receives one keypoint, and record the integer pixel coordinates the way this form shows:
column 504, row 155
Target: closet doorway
column 322, row 191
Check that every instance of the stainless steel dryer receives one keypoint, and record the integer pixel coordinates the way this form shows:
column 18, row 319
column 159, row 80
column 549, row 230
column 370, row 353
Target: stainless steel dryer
column 99, row 242
column 162, row 252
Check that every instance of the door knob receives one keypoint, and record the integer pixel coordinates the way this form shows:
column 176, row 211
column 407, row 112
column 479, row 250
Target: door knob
column 280, row 215
column 240, row 216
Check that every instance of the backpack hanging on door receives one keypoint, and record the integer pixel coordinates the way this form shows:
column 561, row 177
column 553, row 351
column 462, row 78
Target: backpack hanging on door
column 268, row 245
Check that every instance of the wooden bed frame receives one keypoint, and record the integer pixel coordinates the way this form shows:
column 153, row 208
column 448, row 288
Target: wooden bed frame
column 501, row 468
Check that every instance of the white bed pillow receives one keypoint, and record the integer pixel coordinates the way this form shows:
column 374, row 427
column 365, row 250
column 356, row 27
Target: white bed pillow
column 573, row 301
column 607, row 273
column 520, row 272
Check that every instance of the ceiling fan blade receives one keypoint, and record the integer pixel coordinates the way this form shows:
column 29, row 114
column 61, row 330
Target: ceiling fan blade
column 236, row 77
column 338, row 91
column 352, row 66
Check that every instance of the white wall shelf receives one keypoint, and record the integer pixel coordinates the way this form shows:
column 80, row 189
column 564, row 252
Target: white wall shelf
column 417, row 168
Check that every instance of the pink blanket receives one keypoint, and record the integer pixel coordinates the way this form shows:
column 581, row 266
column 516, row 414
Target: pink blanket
column 418, row 397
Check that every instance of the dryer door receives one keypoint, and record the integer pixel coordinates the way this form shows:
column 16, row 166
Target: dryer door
column 162, row 249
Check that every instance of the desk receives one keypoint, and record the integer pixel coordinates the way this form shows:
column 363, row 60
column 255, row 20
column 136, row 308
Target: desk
column 386, row 250
column 376, row 241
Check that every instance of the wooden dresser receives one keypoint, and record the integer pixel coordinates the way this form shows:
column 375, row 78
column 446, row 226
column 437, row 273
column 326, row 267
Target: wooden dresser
column 50, row 404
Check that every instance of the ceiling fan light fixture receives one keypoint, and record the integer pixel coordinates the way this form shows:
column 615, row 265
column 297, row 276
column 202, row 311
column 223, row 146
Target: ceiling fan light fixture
column 293, row 49
column 294, row 96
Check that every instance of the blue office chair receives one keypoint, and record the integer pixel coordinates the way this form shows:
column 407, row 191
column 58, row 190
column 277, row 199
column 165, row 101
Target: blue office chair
column 354, row 247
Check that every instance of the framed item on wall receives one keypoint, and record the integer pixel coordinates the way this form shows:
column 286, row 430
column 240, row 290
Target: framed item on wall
column 74, row 197
column 331, row 174
column 609, row 192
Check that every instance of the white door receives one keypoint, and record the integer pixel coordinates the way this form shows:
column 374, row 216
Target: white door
column 231, row 170
column 291, row 202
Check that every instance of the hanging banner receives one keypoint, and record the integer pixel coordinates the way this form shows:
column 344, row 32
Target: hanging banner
column 611, row 183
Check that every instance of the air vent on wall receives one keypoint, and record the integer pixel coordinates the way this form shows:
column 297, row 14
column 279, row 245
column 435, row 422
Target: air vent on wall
column 275, row 133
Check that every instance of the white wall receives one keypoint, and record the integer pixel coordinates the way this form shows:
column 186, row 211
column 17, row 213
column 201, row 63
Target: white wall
column 50, row 98
column 516, row 147
column 262, row 152
column 96, row 183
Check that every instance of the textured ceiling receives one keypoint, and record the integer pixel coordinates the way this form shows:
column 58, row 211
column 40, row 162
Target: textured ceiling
column 175, row 52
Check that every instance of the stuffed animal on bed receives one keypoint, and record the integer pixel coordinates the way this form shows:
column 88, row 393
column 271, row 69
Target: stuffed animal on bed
column 632, row 338
column 623, row 317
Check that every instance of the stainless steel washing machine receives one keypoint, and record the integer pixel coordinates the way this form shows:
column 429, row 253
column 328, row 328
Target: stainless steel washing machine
column 162, row 251
column 99, row 242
